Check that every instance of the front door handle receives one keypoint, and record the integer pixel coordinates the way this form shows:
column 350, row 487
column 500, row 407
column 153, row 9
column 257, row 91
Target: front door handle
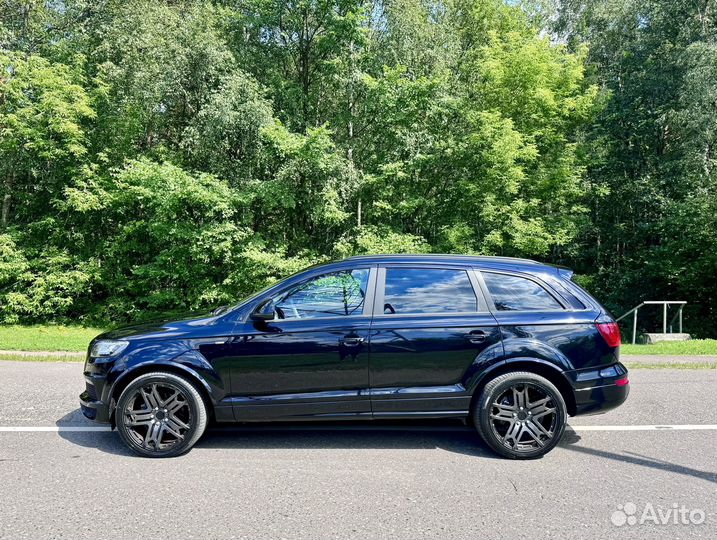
column 476, row 336
column 351, row 341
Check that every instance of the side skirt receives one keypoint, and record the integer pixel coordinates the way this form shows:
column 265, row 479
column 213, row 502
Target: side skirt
column 339, row 416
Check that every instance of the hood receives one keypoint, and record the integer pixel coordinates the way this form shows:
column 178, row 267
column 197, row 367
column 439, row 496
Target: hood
column 190, row 325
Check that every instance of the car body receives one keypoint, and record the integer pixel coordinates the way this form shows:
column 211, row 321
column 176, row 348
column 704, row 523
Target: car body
column 385, row 336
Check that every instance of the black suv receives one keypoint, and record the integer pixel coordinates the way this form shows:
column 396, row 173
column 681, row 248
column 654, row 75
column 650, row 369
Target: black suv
column 511, row 344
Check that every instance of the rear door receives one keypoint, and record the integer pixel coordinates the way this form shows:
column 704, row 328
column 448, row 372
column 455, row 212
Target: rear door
column 430, row 332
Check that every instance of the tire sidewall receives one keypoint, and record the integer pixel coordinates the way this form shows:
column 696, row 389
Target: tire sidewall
column 491, row 392
column 194, row 404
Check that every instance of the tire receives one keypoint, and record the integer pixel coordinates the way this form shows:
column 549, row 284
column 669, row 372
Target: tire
column 160, row 415
column 520, row 433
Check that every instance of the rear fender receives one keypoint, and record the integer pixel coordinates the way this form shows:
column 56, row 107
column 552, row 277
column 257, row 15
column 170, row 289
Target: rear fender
column 534, row 349
column 550, row 370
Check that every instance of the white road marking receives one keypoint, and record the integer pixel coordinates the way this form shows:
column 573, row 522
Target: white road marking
column 647, row 427
column 657, row 427
column 54, row 428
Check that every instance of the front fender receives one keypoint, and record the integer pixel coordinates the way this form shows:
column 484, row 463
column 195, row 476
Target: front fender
column 175, row 357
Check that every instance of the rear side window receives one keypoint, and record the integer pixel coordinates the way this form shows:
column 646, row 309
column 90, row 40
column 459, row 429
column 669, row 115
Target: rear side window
column 513, row 293
column 428, row 290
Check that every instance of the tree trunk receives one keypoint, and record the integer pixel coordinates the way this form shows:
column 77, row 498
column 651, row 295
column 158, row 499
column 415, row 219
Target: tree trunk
column 6, row 201
column 350, row 127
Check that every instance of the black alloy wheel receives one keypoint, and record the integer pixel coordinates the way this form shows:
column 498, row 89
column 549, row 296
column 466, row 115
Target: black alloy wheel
column 160, row 415
column 520, row 415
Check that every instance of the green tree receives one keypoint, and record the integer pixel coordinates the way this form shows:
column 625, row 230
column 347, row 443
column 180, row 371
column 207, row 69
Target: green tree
column 299, row 50
column 163, row 239
column 155, row 65
column 483, row 155
column 166, row 155
column 224, row 137
column 43, row 107
column 23, row 25
column 652, row 173
column 301, row 202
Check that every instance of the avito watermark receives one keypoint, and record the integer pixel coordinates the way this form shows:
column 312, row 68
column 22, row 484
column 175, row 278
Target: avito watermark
column 627, row 514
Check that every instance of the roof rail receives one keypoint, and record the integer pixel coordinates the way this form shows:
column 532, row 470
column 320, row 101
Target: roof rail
column 448, row 255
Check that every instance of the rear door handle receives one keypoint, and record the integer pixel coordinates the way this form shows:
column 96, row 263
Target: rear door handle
column 351, row 341
column 476, row 336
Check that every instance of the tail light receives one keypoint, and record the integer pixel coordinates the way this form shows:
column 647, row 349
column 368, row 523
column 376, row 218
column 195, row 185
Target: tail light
column 622, row 382
column 610, row 333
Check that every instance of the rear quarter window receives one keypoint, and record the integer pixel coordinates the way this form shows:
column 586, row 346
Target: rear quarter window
column 514, row 293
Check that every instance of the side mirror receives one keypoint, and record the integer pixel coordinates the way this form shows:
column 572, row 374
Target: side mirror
column 264, row 311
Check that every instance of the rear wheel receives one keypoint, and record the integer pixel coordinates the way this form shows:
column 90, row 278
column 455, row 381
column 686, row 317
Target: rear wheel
column 160, row 415
column 520, row 415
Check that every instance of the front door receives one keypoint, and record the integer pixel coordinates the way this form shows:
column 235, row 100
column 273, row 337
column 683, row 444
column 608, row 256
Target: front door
column 431, row 333
column 311, row 361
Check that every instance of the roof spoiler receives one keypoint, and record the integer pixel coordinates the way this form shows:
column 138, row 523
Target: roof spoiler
column 564, row 272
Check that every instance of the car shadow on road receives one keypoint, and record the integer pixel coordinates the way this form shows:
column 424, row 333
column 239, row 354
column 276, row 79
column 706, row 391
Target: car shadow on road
column 571, row 438
column 449, row 435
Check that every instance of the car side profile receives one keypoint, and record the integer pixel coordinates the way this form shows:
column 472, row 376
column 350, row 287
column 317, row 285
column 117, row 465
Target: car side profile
column 512, row 345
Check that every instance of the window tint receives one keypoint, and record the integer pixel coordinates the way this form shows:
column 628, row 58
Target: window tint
column 513, row 293
column 328, row 295
column 414, row 290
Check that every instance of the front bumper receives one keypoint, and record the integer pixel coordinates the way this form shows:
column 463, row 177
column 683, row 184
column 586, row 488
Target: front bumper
column 598, row 390
column 94, row 409
column 94, row 401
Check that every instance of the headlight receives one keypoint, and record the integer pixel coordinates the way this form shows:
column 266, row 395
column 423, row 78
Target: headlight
column 107, row 347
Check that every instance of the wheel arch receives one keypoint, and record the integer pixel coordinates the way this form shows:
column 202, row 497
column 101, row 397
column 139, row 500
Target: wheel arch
column 532, row 365
column 185, row 372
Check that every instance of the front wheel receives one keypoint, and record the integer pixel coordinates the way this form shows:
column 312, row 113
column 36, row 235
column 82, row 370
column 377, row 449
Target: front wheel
column 160, row 415
column 520, row 415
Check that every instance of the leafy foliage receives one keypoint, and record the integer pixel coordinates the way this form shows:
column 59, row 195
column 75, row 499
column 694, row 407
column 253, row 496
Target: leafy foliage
column 42, row 108
column 653, row 180
column 162, row 156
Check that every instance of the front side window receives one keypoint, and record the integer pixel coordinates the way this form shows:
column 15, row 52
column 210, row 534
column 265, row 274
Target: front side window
column 329, row 295
column 429, row 290
column 513, row 293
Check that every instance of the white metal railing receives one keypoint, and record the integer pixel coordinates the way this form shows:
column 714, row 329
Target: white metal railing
column 664, row 303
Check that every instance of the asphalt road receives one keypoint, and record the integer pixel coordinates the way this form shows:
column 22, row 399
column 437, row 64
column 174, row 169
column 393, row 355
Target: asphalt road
column 366, row 480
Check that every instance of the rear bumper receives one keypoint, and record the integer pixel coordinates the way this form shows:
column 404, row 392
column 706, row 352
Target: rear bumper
column 599, row 390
